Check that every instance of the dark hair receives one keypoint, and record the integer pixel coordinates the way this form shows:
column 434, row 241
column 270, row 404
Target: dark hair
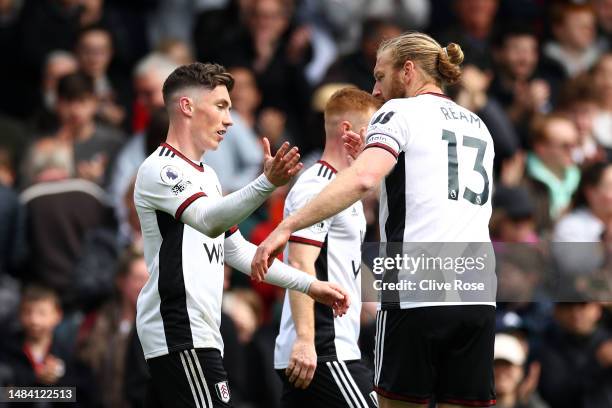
column 92, row 28
column 201, row 74
column 512, row 29
column 575, row 90
column 36, row 293
column 591, row 177
column 73, row 87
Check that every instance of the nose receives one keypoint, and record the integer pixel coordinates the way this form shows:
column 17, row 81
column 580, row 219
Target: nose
column 376, row 92
column 227, row 120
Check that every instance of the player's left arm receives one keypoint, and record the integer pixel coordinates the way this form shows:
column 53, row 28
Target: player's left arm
column 349, row 186
column 239, row 252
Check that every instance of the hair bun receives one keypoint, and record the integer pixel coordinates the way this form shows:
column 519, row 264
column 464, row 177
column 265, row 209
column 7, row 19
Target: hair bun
column 449, row 59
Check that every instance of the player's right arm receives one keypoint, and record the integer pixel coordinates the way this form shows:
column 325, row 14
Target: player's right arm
column 183, row 198
column 303, row 360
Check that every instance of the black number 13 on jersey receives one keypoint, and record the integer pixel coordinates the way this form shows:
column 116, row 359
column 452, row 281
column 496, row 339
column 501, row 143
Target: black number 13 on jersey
column 453, row 168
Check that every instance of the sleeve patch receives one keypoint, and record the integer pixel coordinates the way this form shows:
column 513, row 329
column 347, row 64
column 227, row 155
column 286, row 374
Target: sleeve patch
column 171, row 175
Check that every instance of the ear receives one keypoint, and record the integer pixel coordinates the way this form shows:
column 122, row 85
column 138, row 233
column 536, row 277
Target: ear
column 186, row 105
column 407, row 71
column 345, row 126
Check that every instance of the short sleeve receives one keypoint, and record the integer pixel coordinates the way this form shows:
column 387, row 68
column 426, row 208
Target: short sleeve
column 387, row 129
column 298, row 197
column 166, row 187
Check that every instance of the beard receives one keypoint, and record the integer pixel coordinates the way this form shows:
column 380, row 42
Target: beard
column 396, row 89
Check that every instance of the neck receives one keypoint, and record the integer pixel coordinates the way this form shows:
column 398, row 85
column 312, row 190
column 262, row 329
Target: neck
column 178, row 137
column 425, row 88
column 335, row 154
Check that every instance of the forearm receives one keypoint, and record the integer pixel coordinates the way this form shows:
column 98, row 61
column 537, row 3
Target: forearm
column 302, row 307
column 348, row 187
column 239, row 253
column 212, row 218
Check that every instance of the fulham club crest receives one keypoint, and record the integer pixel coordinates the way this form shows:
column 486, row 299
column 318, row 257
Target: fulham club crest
column 223, row 391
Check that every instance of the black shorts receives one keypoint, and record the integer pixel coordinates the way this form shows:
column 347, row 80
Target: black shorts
column 336, row 384
column 444, row 353
column 188, row 378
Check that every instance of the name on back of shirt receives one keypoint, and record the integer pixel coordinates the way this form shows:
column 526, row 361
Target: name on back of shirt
column 451, row 114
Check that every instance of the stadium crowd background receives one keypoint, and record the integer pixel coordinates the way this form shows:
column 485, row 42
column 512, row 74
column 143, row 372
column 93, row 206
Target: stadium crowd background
column 80, row 108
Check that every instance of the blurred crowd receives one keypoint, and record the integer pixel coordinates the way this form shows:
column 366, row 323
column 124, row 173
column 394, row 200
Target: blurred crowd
column 81, row 107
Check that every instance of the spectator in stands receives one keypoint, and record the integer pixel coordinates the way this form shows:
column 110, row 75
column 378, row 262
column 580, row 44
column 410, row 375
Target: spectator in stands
column 105, row 333
column 576, row 357
column 602, row 81
column 95, row 144
column 575, row 44
column 277, row 52
column 94, row 51
column 509, row 358
column 513, row 216
column 58, row 64
column 474, row 29
column 149, row 76
column 591, row 214
column 59, row 210
column 35, row 356
column 356, row 68
column 578, row 100
column 523, row 80
column 240, row 158
column 551, row 164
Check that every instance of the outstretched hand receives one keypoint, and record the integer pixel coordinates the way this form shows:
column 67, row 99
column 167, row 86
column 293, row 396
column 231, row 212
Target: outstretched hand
column 354, row 142
column 283, row 166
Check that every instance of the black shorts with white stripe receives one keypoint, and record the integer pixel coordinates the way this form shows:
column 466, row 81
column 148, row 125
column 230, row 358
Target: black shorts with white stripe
column 336, row 384
column 189, row 378
column 441, row 353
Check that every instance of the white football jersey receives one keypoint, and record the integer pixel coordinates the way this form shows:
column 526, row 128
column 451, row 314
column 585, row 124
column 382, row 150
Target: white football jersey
column 180, row 305
column 440, row 190
column 340, row 238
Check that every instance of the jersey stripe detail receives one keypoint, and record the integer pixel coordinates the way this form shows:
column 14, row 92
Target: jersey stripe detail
column 171, row 284
column 188, row 375
column 329, row 166
column 187, row 203
column 307, row 241
column 340, row 386
column 325, row 331
column 162, row 150
column 383, row 146
column 201, row 376
column 349, row 377
column 231, row 231
column 199, row 167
